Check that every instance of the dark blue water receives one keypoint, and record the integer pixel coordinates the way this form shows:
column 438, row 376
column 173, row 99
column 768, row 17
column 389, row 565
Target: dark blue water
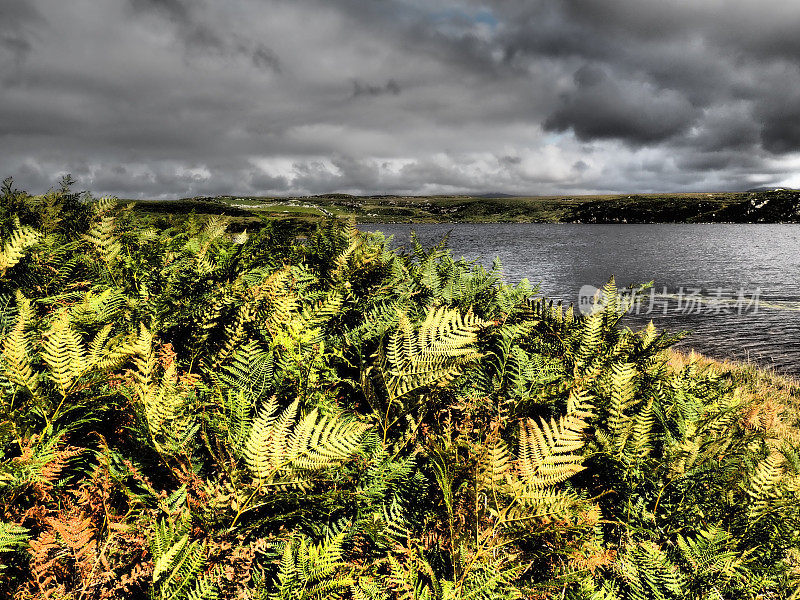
column 735, row 287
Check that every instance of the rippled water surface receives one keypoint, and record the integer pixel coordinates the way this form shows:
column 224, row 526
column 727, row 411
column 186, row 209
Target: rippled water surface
column 735, row 287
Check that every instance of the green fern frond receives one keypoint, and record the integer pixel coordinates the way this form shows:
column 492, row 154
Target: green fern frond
column 366, row 589
column 179, row 565
column 317, row 315
column 764, row 483
column 13, row 537
column 649, row 573
column 711, row 556
column 249, row 369
column 376, row 321
column 311, row 571
column 99, row 308
column 407, row 579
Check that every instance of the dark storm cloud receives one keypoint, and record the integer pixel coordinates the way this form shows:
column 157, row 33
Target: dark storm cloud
column 176, row 98
column 601, row 107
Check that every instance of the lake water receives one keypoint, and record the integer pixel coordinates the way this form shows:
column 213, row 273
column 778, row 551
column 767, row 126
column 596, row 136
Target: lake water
column 735, row 287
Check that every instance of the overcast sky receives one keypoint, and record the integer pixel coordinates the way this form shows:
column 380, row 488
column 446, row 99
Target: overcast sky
column 171, row 98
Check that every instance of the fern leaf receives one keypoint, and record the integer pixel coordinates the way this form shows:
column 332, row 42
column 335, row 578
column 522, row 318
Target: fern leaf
column 434, row 353
column 623, row 398
column 179, row 564
column 13, row 250
column 63, row 352
column 495, row 465
column 250, row 370
column 164, row 564
column 590, row 341
column 16, row 352
column 319, row 444
column 12, row 537
column 547, row 450
column 264, row 449
column 763, row 485
column 650, row 573
column 102, row 236
column 278, row 447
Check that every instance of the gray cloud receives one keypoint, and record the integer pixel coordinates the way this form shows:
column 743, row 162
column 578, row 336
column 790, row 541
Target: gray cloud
column 205, row 37
column 364, row 89
column 602, row 107
column 174, row 98
column 19, row 22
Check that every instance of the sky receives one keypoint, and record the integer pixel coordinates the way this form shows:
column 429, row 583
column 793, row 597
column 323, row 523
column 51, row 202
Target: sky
column 177, row 98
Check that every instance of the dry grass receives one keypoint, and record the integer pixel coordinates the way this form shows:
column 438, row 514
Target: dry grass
column 772, row 400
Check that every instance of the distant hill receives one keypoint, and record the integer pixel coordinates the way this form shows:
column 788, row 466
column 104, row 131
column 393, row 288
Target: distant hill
column 494, row 195
column 768, row 188
column 768, row 206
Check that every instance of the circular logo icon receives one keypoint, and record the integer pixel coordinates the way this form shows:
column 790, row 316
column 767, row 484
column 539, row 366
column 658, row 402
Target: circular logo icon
column 588, row 297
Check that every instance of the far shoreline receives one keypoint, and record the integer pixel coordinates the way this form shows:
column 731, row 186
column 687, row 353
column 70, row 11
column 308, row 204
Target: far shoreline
column 772, row 207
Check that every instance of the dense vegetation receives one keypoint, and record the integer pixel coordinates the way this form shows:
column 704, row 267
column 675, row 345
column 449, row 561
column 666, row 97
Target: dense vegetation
column 189, row 414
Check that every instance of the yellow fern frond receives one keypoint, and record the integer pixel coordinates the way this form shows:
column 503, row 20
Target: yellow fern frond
column 273, row 304
column 22, row 238
column 63, row 352
column 591, row 338
column 264, row 447
column 283, row 451
column 145, row 359
column 542, row 504
column 102, row 236
column 163, row 403
column 215, row 228
column 16, row 350
column 547, row 450
column 496, row 464
column 106, row 356
column 280, row 305
column 434, row 353
column 68, row 359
